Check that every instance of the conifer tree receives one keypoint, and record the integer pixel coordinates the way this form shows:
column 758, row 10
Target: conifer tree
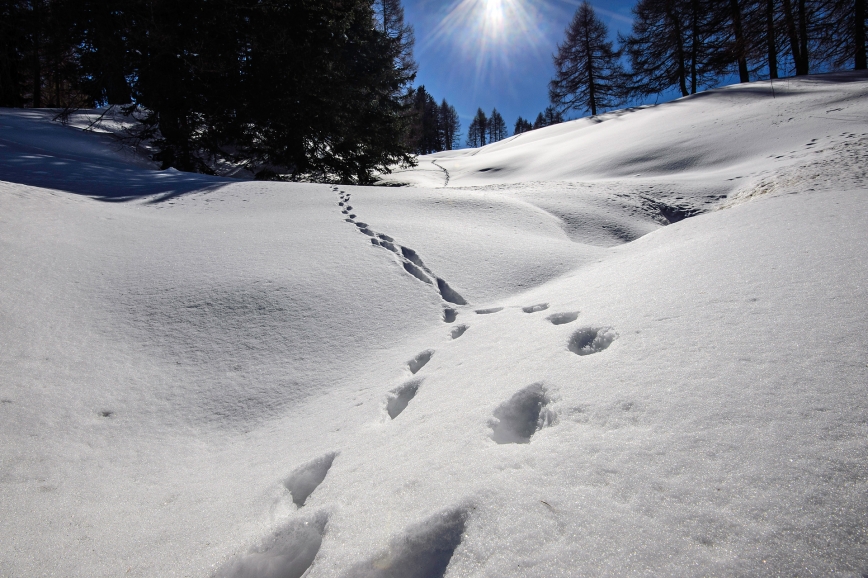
column 496, row 127
column 522, row 125
column 477, row 132
column 588, row 75
column 450, row 126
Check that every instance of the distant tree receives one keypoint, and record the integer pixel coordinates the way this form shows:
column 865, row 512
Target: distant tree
column 588, row 74
column 478, row 129
column 550, row 116
column 450, row 126
column 12, row 41
column 841, row 33
column 496, row 127
column 522, row 125
column 426, row 134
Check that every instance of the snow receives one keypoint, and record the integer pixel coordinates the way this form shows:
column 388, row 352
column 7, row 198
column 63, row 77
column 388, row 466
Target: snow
column 637, row 347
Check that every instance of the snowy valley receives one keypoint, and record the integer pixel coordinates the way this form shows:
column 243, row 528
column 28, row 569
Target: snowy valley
column 629, row 344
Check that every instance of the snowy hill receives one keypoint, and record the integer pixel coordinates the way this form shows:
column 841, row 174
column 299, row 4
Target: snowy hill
column 635, row 345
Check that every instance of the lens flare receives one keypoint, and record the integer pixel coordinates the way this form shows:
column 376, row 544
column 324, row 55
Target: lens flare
column 489, row 33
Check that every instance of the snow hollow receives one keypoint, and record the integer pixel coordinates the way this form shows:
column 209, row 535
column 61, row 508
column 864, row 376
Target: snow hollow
column 635, row 344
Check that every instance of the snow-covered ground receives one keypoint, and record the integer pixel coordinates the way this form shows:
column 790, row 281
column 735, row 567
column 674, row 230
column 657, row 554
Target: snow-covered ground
column 541, row 367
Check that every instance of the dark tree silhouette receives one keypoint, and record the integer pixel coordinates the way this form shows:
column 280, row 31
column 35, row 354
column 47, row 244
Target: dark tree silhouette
column 588, row 74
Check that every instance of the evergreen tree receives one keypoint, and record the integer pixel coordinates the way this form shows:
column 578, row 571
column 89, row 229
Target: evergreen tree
column 496, row 127
column 450, row 125
column 540, row 121
column 390, row 19
column 522, row 125
column 588, row 74
column 478, row 130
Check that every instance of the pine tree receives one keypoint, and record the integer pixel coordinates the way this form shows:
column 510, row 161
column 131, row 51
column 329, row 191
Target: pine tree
column 496, row 127
column 450, row 125
column 588, row 74
column 522, row 125
column 390, row 18
column 478, row 130
column 540, row 121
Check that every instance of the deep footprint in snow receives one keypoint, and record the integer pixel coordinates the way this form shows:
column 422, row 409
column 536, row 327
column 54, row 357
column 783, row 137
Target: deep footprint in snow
column 450, row 315
column 590, row 340
column 416, row 272
column 302, row 482
column 535, row 308
column 563, row 318
column 420, row 361
column 449, row 294
column 288, row 553
column 401, row 397
column 525, row 413
column 422, row 551
column 458, row 331
column 489, row 311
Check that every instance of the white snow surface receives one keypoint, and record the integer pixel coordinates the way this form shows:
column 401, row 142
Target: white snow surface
column 659, row 363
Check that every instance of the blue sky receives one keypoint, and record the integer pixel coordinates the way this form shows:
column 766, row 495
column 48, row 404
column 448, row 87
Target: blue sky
column 496, row 53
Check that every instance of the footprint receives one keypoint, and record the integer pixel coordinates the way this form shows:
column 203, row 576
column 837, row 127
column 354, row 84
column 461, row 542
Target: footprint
column 459, row 331
column 288, row 553
column 449, row 315
column 402, row 396
column 367, row 232
column 416, row 272
column 590, row 340
column 420, row 361
column 563, row 318
column 522, row 416
column 449, row 294
column 106, row 413
column 362, row 225
column 388, row 245
column 412, row 256
column 302, row 482
column 489, row 311
column 386, row 238
column 422, row 551
column 535, row 308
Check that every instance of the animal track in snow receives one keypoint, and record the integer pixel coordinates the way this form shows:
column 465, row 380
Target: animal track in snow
column 489, row 311
column 563, row 318
column 420, row 361
column 416, row 272
column 458, row 331
column 450, row 315
column 590, row 340
column 448, row 293
column 302, row 482
column 535, row 308
column 422, row 551
column 401, row 397
column 408, row 258
column 522, row 416
column 288, row 553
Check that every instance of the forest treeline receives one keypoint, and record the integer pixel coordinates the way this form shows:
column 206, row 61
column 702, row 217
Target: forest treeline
column 323, row 89
column 690, row 45
column 307, row 89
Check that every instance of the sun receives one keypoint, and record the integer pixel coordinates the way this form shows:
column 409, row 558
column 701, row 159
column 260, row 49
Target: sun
column 489, row 32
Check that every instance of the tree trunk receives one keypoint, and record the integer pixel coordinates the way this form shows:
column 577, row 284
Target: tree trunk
column 592, row 92
column 694, row 44
column 739, row 41
column 793, row 36
column 803, row 34
column 37, row 48
column 679, row 48
column 770, row 39
column 859, row 35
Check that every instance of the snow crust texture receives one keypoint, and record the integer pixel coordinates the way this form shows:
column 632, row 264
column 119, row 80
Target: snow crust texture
column 649, row 357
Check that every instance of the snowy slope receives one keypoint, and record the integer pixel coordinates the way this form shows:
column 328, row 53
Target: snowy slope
column 209, row 377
